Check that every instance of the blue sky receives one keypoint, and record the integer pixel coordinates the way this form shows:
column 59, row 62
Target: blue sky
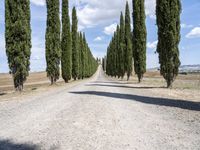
column 98, row 20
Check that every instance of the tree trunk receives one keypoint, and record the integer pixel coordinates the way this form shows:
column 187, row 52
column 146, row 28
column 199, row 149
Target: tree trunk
column 169, row 84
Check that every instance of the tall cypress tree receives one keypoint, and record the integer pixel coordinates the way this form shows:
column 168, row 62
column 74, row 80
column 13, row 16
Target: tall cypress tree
column 82, row 56
column 103, row 64
column 139, row 38
column 118, row 60
column 168, row 21
column 53, row 46
column 128, row 43
column 114, row 54
column 75, row 52
column 18, row 40
column 66, row 45
column 122, row 47
column 80, row 53
column 85, row 56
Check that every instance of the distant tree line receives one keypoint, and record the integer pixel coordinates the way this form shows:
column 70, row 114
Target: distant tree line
column 67, row 47
column 127, row 49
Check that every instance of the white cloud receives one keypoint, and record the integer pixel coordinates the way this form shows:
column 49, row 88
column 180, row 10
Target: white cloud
column 194, row 33
column 150, row 8
column 98, row 38
column 91, row 16
column 152, row 60
column 152, row 45
column 38, row 2
column 109, row 30
column 92, row 13
column 186, row 26
column 36, row 58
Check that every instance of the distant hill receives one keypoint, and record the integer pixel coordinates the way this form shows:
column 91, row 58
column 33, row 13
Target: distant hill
column 189, row 68
column 184, row 69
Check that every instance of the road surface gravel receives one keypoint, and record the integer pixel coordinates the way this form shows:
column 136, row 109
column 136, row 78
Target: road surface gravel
column 98, row 114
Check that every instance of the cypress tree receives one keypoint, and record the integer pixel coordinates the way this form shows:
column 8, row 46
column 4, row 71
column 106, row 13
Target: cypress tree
column 108, row 61
column 53, row 43
column 128, row 43
column 103, row 64
column 75, row 52
column 66, row 45
column 18, row 40
column 118, row 60
column 84, row 56
column 139, row 38
column 80, row 55
column 121, row 47
column 114, row 54
column 168, row 22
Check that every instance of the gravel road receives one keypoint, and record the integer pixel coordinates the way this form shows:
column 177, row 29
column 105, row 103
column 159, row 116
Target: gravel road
column 98, row 114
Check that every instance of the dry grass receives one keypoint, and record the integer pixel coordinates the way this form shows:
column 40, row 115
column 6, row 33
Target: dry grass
column 186, row 87
column 34, row 81
column 189, row 81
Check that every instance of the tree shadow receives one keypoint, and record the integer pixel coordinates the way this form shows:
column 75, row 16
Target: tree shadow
column 110, row 82
column 9, row 145
column 2, row 94
column 188, row 105
column 123, row 86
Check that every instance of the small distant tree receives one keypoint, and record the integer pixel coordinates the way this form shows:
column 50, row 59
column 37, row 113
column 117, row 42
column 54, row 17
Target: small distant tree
column 66, row 45
column 18, row 40
column 53, row 43
column 168, row 22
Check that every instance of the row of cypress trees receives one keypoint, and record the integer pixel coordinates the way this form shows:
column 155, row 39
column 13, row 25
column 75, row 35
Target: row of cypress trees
column 120, row 52
column 69, row 48
column 128, row 49
column 72, row 49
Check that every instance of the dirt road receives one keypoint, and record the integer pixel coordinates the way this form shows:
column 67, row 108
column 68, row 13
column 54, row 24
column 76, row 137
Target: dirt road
column 99, row 114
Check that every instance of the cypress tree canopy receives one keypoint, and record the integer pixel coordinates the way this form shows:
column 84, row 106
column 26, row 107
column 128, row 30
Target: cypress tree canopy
column 82, row 57
column 121, row 47
column 75, row 51
column 119, row 52
column 79, row 55
column 139, row 38
column 66, row 43
column 53, row 46
column 18, row 39
column 168, row 21
column 128, row 43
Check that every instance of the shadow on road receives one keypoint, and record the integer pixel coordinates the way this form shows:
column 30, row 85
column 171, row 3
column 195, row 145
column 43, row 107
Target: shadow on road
column 188, row 105
column 2, row 94
column 9, row 145
column 123, row 86
column 112, row 82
